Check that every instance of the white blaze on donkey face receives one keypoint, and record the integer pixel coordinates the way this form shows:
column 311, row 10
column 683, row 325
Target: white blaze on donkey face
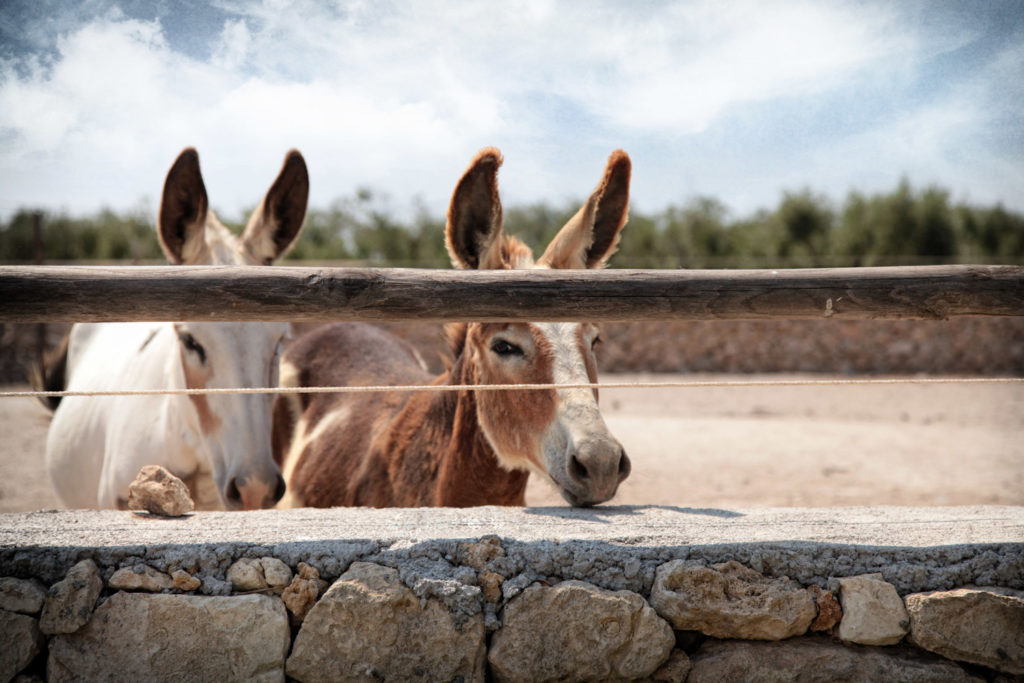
column 557, row 433
column 219, row 444
column 582, row 457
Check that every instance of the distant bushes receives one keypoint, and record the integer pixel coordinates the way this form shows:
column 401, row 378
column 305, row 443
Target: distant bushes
column 105, row 236
column 905, row 227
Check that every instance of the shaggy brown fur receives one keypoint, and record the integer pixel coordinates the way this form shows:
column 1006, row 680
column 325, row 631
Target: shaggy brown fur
column 432, row 448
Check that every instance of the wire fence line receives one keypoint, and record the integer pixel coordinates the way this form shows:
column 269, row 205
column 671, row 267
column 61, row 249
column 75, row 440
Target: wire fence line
column 380, row 388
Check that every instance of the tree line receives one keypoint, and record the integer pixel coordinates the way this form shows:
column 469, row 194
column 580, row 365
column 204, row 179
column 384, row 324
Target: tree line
column 906, row 226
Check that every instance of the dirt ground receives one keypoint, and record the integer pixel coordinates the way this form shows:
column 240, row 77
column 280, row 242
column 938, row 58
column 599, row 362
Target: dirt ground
column 739, row 447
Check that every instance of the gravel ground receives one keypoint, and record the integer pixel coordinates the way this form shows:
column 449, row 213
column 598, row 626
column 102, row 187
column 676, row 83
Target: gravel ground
column 752, row 446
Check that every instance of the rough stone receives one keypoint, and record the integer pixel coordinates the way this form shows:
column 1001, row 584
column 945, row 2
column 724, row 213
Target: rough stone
column 817, row 659
column 369, row 626
column 22, row 641
column 477, row 555
column 873, row 612
column 730, row 601
column 578, row 632
column 250, row 574
column 829, row 611
column 21, row 595
column 301, row 594
column 28, row 678
column 674, row 670
column 978, row 625
column 141, row 577
column 490, row 584
column 247, row 575
column 184, row 581
column 142, row 636
column 276, row 573
column 157, row 491
column 69, row 603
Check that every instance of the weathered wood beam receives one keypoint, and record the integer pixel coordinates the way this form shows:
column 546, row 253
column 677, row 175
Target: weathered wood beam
column 96, row 293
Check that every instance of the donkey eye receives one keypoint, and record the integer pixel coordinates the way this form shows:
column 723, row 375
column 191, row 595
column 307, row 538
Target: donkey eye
column 504, row 348
column 190, row 343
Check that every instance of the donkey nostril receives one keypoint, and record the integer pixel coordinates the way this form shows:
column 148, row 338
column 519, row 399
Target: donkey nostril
column 578, row 470
column 625, row 466
column 232, row 493
column 281, row 487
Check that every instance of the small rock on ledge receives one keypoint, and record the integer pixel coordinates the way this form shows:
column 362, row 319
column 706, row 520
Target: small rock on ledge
column 157, row 491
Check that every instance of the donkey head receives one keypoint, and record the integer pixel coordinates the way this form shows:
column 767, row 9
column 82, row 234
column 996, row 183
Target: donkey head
column 558, row 433
column 232, row 432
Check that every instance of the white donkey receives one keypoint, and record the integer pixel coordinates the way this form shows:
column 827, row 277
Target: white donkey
column 218, row 444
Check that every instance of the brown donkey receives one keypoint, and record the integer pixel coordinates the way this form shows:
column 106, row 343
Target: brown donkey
column 466, row 447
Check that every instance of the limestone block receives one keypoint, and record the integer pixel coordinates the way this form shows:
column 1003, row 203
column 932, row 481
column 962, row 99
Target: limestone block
column 301, row 594
column 250, row 574
column 184, row 581
column 674, row 670
column 276, row 573
column 159, row 492
column 22, row 641
column 143, row 636
column 978, row 625
column 578, row 632
column 140, row 577
column 873, row 612
column 69, row 602
column 817, row 659
column 247, row 575
column 21, row 595
column 829, row 611
column 369, row 626
column 730, row 601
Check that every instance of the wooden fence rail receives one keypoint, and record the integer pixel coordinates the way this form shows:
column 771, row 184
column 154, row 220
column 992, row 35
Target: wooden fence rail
column 146, row 293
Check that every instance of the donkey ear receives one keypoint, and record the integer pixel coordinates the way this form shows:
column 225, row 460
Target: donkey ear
column 592, row 235
column 473, row 234
column 181, row 224
column 276, row 222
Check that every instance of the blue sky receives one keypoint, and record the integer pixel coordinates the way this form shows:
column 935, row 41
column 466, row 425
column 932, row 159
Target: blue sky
column 738, row 100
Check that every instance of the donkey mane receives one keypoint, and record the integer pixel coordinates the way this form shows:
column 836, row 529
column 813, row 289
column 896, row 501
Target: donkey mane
column 49, row 374
column 456, row 334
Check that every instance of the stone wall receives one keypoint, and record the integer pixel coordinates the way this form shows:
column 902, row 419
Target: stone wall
column 664, row 594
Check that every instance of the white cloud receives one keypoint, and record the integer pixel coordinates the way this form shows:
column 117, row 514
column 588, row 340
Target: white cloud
column 400, row 95
column 233, row 49
column 674, row 70
column 118, row 95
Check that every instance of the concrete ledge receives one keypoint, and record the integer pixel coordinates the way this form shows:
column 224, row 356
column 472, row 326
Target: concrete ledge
column 916, row 549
